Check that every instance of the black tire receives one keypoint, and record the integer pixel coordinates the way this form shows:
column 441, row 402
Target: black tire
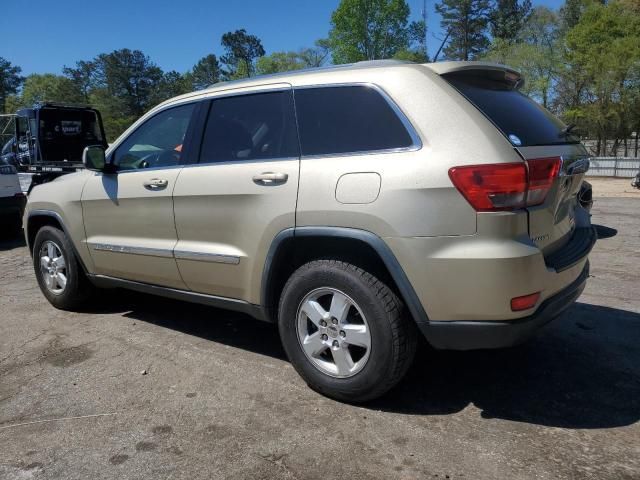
column 78, row 290
column 393, row 334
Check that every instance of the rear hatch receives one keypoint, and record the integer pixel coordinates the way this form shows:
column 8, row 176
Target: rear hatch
column 535, row 134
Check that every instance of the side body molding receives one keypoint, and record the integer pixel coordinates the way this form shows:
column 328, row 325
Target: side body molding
column 379, row 246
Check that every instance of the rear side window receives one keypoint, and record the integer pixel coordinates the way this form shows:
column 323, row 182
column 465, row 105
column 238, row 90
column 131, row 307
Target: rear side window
column 250, row 127
column 350, row 119
column 523, row 121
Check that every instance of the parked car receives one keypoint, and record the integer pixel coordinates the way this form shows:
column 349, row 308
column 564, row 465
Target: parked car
column 12, row 199
column 356, row 206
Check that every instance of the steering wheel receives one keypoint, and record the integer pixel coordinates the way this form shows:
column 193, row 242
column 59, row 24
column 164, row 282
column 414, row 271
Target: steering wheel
column 147, row 161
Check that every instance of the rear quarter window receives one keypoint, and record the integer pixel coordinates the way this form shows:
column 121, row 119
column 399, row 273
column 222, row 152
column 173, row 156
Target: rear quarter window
column 347, row 119
column 523, row 121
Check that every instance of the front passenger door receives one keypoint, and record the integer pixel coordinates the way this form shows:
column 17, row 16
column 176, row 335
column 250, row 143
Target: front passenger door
column 128, row 216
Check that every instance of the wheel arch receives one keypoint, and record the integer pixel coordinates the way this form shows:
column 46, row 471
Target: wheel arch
column 295, row 246
column 36, row 219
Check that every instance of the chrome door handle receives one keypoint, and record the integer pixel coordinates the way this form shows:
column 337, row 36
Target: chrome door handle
column 156, row 184
column 270, row 178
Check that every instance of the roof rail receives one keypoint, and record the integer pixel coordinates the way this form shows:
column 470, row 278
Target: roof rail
column 302, row 71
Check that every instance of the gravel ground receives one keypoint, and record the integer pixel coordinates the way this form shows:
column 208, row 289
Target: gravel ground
column 613, row 187
column 219, row 400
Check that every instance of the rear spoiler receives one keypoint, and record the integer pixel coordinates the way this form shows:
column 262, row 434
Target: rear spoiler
column 493, row 71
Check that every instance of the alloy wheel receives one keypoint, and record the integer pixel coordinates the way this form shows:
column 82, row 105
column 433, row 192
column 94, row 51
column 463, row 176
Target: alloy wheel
column 333, row 332
column 53, row 267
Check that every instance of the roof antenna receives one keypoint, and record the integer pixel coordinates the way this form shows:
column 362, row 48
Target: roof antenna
column 435, row 59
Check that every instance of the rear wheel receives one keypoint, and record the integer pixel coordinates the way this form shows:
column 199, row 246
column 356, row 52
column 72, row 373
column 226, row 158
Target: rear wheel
column 58, row 271
column 345, row 332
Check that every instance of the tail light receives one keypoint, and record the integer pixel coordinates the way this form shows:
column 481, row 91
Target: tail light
column 506, row 186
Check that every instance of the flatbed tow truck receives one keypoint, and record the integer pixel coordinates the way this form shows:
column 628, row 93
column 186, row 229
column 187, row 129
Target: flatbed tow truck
column 47, row 141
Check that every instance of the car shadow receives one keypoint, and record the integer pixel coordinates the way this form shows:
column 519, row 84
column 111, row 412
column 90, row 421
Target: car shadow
column 582, row 371
column 221, row 326
column 605, row 232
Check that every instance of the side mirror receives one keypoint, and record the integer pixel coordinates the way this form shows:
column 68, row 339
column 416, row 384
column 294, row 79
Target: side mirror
column 93, row 158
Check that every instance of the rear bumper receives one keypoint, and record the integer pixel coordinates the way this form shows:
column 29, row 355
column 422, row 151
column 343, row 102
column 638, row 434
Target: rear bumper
column 472, row 335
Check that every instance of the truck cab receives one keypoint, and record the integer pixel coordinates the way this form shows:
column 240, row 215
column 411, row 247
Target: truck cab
column 50, row 137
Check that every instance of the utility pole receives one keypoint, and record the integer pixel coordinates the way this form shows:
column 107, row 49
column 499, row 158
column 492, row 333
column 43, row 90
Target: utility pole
column 424, row 20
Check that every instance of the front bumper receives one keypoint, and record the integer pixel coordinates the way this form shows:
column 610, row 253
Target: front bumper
column 472, row 335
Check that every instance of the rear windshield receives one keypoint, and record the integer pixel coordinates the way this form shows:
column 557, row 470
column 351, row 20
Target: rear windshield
column 521, row 120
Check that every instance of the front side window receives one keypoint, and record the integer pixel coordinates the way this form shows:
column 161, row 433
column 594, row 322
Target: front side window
column 250, row 127
column 157, row 142
column 349, row 119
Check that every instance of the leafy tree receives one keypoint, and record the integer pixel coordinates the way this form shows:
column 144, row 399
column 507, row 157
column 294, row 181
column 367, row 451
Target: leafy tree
column 39, row 88
column 311, row 57
column 416, row 51
column 317, row 55
column 279, row 62
column 242, row 50
column 205, row 73
column 603, row 54
column 82, row 76
column 368, row 30
column 466, row 22
column 171, row 85
column 536, row 53
column 129, row 75
column 10, row 81
column 572, row 10
column 508, row 17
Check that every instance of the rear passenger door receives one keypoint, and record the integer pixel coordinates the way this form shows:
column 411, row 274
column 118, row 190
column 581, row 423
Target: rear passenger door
column 241, row 194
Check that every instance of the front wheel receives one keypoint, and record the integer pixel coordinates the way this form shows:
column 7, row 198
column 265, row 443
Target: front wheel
column 345, row 332
column 59, row 274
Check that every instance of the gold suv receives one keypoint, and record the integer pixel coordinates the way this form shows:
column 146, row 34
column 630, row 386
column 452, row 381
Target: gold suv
column 356, row 206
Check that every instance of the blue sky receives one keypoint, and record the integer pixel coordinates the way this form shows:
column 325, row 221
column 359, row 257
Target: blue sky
column 43, row 35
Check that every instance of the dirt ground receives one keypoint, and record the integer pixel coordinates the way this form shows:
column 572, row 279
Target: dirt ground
column 613, row 187
column 219, row 400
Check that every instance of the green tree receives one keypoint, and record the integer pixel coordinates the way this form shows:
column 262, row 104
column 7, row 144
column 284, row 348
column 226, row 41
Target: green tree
column 572, row 10
column 279, row 62
column 129, row 76
column 241, row 52
column 47, row 87
column 369, row 30
column 82, row 75
column 317, row 55
column 10, row 81
column 416, row 51
column 508, row 17
column 205, row 73
column 123, row 85
column 171, row 85
column 603, row 53
column 466, row 23
column 535, row 52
